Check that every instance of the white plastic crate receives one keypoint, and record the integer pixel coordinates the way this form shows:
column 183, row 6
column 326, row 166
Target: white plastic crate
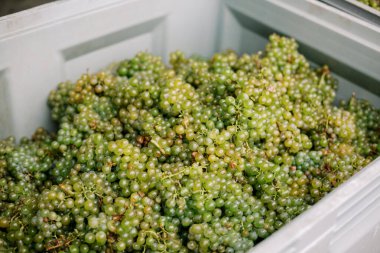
column 55, row 42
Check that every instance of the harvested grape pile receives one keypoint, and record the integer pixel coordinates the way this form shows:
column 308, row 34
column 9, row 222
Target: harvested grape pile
column 204, row 155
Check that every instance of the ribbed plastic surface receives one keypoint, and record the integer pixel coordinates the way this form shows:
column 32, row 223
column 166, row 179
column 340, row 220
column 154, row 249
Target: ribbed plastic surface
column 59, row 41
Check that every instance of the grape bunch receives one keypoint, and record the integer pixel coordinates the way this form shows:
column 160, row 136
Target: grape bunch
column 203, row 155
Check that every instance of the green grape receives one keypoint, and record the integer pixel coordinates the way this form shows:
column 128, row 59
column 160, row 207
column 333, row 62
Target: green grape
column 204, row 155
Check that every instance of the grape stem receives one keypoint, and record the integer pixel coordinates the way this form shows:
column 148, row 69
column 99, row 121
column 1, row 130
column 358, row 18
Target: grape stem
column 158, row 146
column 174, row 174
column 62, row 186
column 60, row 244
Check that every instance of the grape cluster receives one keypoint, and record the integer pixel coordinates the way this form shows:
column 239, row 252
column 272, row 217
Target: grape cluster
column 204, row 155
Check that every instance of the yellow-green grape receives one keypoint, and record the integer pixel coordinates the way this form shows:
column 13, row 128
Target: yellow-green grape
column 203, row 155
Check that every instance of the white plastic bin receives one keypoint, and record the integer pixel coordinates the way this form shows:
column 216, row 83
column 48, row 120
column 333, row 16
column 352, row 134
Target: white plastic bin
column 59, row 41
